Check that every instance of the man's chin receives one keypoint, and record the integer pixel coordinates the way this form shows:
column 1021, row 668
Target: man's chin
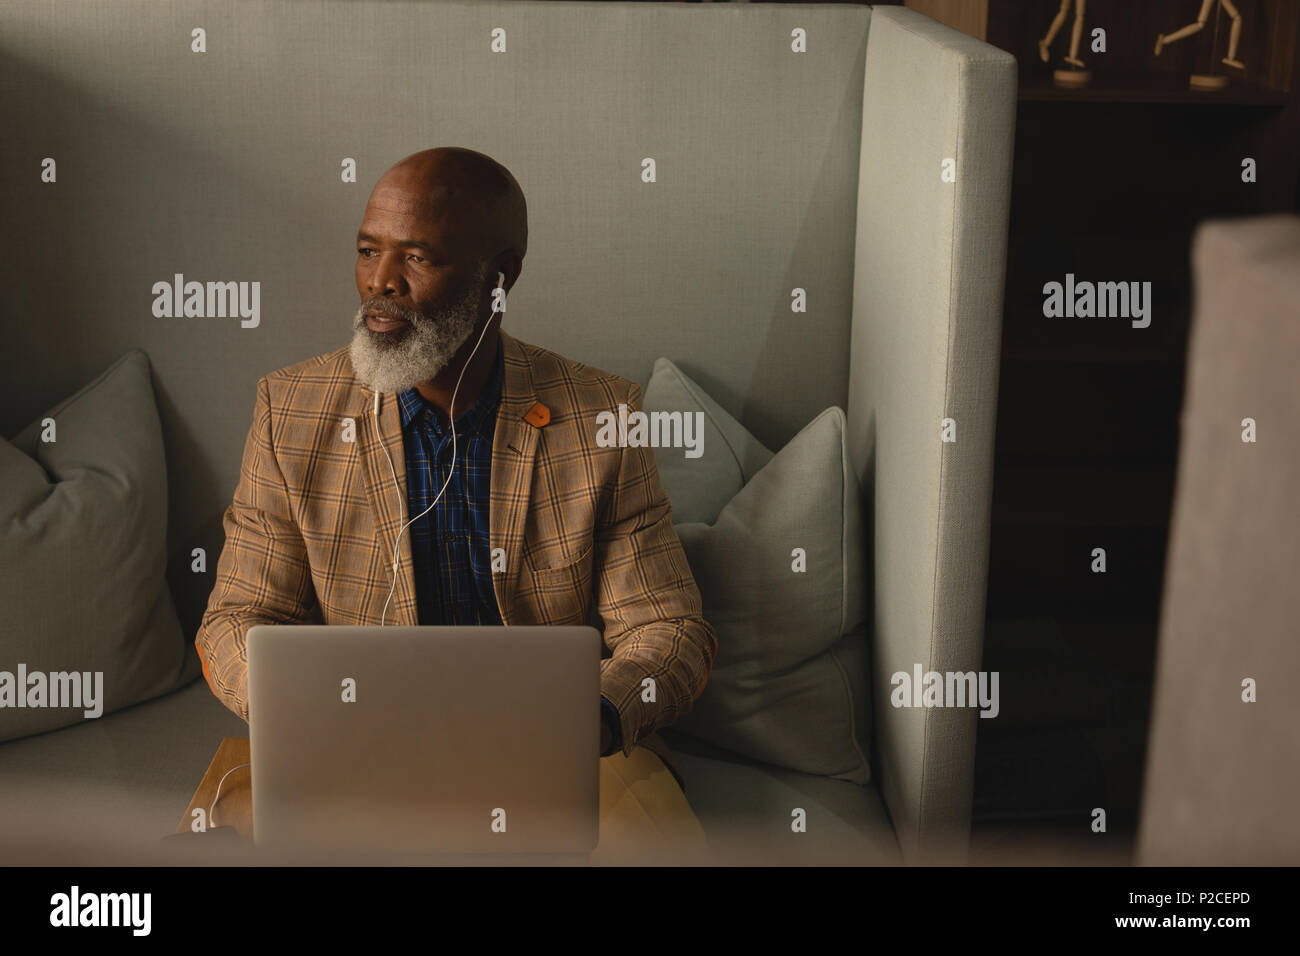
column 378, row 371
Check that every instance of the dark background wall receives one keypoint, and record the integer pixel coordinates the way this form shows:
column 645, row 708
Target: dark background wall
column 1109, row 183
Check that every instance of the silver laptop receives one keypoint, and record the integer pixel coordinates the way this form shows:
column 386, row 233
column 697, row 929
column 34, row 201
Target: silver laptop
column 444, row 740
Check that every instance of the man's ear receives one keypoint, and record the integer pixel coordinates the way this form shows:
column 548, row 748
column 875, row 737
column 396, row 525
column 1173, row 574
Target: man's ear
column 512, row 266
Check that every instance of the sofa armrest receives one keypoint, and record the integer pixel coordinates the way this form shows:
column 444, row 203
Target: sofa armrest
column 927, row 311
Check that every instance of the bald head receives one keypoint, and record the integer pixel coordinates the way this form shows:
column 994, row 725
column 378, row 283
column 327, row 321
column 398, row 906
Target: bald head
column 476, row 198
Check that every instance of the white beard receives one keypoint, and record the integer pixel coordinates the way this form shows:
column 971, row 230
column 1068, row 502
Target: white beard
column 404, row 358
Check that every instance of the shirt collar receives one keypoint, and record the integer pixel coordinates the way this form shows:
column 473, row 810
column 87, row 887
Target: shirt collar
column 413, row 405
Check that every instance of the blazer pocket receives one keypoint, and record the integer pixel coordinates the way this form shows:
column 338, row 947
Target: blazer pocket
column 560, row 594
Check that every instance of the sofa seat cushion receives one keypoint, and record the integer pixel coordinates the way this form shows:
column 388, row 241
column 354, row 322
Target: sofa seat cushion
column 746, row 810
column 121, row 782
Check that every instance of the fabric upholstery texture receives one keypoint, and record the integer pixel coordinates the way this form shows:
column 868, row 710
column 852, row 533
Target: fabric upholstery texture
column 925, row 347
column 115, row 784
column 748, row 811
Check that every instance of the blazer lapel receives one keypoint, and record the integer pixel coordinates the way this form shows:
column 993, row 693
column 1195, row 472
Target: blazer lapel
column 514, row 450
column 388, row 500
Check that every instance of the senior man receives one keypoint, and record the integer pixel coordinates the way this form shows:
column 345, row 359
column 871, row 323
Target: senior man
column 577, row 525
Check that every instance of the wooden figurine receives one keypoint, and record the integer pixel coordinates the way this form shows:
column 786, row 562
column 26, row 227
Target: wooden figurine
column 1202, row 81
column 1076, row 76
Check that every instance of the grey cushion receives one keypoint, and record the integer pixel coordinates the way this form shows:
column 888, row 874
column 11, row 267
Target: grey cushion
column 82, row 558
column 788, row 686
column 701, row 487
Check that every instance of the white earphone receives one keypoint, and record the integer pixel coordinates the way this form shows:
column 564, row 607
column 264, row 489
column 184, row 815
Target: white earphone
column 451, row 422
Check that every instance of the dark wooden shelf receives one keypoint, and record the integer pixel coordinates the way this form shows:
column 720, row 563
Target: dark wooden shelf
column 1059, row 497
column 1089, row 409
column 1089, row 352
column 1155, row 87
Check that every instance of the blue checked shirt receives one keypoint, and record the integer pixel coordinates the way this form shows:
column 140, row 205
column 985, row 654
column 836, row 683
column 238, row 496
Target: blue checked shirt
column 449, row 545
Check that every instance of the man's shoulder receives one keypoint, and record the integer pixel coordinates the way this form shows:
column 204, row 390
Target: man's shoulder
column 324, row 381
column 333, row 366
column 305, row 401
column 559, row 381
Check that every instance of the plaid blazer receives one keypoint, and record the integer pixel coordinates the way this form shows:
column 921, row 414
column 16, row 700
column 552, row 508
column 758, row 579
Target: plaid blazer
column 584, row 529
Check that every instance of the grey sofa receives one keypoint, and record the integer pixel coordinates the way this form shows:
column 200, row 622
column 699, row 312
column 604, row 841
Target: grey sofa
column 776, row 169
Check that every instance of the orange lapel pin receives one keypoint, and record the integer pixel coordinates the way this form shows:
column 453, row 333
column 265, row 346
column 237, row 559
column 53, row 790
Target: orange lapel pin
column 538, row 416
